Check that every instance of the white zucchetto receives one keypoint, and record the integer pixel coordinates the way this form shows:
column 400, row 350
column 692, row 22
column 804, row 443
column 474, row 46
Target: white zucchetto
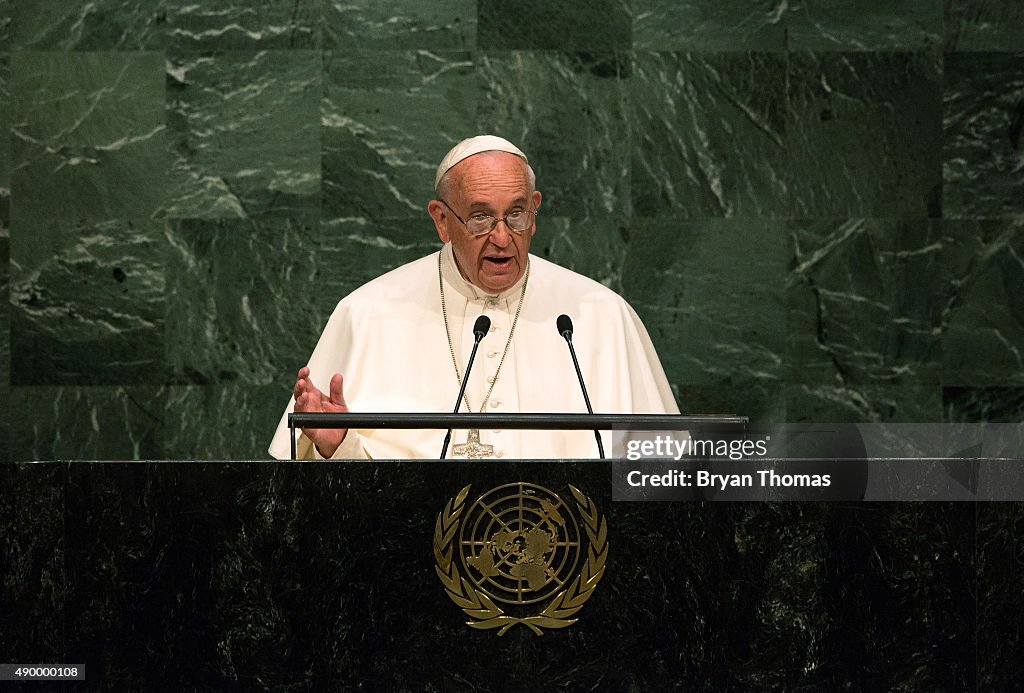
column 474, row 145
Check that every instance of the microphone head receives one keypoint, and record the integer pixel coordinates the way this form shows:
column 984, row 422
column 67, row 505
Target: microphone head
column 564, row 324
column 480, row 327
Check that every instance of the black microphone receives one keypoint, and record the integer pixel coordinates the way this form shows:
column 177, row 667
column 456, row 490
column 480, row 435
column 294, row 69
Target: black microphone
column 564, row 324
column 564, row 327
column 480, row 328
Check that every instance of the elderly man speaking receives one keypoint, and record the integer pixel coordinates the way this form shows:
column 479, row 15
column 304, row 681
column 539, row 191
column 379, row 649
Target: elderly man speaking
column 400, row 342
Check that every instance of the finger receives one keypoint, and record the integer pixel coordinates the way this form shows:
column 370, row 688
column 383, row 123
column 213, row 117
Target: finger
column 337, row 391
column 302, row 387
column 301, row 380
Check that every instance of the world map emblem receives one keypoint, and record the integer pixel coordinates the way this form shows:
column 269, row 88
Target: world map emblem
column 520, row 554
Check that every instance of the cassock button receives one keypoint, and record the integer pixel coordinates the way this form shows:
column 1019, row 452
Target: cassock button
column 495, row 403
column 491, row 354
column 493, row 302
column 494, row 328
column 499, row 453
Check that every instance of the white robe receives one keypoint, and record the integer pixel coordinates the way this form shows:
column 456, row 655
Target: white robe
column 387, row 338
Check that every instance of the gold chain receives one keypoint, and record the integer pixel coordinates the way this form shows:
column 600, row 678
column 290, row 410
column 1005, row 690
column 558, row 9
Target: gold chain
column 508, row 343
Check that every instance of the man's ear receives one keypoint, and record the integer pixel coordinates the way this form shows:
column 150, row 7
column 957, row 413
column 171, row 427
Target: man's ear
column 439, row 214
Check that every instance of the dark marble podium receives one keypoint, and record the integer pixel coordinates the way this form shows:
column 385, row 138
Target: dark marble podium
column 321, row 576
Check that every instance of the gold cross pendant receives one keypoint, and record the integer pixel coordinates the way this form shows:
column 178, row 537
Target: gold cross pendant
column 473, row 448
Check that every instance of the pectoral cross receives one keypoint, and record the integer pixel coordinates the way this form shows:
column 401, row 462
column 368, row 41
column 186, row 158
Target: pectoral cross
column 473, row 448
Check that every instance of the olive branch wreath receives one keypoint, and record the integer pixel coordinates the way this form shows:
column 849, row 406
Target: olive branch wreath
column 477, row 605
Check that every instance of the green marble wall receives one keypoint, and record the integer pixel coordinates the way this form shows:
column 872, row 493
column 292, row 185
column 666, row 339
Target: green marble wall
column 817, row 207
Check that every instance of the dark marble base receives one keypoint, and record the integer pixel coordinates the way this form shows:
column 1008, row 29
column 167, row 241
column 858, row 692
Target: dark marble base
column 303, row 576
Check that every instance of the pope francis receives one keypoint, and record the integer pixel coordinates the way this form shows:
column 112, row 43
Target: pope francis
column 400, row 342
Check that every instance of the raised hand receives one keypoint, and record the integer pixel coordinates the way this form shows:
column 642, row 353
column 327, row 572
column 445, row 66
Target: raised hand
column 308, row 398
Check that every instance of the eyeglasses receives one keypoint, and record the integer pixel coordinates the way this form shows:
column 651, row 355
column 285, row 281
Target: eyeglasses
column 480, row 224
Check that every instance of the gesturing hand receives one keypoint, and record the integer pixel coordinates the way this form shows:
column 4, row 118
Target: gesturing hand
column 308, row 398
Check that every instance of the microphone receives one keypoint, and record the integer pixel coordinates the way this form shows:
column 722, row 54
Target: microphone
column 564, row 324
column 565, row 327
column 480, row 328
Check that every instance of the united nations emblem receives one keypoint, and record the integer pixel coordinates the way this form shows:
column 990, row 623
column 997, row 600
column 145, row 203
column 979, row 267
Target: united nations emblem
column 520, row 545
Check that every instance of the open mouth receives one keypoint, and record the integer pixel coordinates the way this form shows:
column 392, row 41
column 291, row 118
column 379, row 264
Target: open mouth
column 498, row 261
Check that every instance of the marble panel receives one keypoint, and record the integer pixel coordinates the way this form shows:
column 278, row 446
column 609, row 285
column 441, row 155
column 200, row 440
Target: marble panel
column 568, row 113
column 388, row 117
column 223, row 422
column 87, row 136
column 32, row 578
column 87, row 303
column 863, row 403
column 555, row 25
column 5, row 350
column 594, row 247
column 98, row 25
column 291, row 575
column 439, row 24
column 983, row 25
column 762, row 401
column 242, row 301
column 983, row 338
column 356, row 250
column 5, row 25
column 867, row 300
column 5, row 232
column 5, row 197
column 711, row 293
column 864, row 25
column 926, row 562
column 709, row 135
column 824, row 586
column 723, row 26
column 245, row 134
column 5, row 143
column 86, row 423
column 983, row 404
column 1000, row 565
column 242, row 25
column 141, row 543
column 983, row 123
column 864, row 134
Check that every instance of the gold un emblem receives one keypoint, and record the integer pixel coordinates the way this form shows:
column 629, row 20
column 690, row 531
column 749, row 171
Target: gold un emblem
column 520, row 546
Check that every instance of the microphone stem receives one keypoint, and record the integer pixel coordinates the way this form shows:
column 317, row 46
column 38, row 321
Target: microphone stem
column 462, row 391
column 586, row 398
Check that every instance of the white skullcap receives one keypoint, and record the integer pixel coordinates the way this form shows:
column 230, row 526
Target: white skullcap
column 474, row 145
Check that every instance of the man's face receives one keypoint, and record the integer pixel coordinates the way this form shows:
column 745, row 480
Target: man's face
column 492, row 183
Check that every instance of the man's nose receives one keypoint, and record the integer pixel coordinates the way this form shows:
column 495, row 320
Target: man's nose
column 501, row 234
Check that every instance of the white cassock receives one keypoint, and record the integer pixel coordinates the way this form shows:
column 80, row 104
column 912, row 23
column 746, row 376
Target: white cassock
column 387, row 338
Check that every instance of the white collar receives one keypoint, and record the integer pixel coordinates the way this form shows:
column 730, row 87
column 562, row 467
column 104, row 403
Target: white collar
column 452, row 275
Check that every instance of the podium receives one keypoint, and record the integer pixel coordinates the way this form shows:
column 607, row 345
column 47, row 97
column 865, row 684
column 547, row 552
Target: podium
column 254, row 575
